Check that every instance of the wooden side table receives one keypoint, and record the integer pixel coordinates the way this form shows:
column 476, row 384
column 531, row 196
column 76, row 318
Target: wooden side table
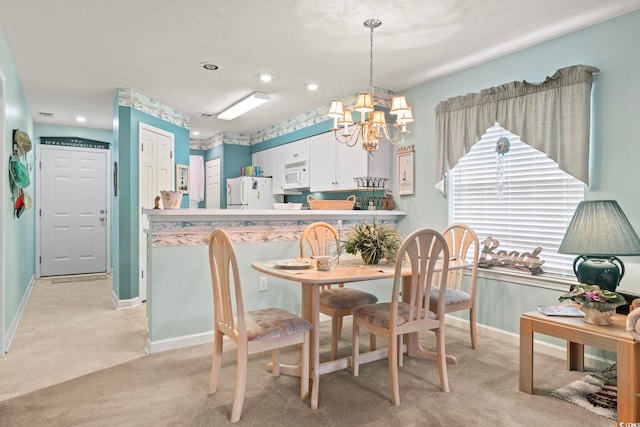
column 612, row 338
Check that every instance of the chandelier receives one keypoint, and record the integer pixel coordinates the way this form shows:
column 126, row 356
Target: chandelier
column 372, row 125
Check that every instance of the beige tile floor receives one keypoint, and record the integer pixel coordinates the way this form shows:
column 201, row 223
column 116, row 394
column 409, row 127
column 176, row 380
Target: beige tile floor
column 69, row 330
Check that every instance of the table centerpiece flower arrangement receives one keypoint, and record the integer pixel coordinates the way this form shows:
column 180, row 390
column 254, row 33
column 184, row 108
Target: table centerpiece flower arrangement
column 374, row 241
column 598, row 305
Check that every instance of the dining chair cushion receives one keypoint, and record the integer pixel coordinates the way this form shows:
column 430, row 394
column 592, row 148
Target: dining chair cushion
column 273, row 323
column 451, row 296
column 345, row 298
column 378, row 314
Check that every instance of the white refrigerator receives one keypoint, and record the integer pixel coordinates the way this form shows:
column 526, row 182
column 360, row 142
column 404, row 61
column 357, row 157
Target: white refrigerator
column 250, row 192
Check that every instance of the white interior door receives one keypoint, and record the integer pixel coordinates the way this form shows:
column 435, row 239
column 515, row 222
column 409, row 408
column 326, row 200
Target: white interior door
column 155, row 174
column 212, row 180
column 73, row 217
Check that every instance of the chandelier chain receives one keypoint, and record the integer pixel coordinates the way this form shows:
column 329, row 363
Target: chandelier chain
column 371, row 60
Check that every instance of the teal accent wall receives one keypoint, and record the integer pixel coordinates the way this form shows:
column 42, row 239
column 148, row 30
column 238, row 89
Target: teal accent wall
column 125, row 281
column 18, row 235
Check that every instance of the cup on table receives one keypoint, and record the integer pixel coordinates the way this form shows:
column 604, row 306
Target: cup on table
column 323, row 263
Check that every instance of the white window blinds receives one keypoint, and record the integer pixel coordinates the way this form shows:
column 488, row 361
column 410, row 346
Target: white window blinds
column 521, row 198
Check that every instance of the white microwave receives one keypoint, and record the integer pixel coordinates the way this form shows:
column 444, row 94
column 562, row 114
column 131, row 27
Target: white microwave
column 296, row 175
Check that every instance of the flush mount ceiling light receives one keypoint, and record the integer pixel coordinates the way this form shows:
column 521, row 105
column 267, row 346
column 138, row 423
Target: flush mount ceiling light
column 372, row 125
column 312, row 86
column 209, row 66
column 247, row 104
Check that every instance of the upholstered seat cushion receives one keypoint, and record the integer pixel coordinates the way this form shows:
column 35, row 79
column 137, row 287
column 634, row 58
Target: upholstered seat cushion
column 451, row 296
column 273, row 323
column 337, row 298
column 378, row 314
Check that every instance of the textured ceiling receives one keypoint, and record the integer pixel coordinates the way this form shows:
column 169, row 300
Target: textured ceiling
column 72, row 55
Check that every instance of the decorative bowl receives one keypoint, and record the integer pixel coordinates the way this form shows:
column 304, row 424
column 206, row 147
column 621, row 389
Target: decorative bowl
column 171, row 199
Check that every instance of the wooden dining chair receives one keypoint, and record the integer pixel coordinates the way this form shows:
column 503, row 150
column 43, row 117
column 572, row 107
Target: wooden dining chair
column 252, row 331
column 336, row 301
column 421, row 251
column 463, row 247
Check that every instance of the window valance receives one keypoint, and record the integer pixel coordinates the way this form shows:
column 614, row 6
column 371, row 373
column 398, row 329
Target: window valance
column 552, row 116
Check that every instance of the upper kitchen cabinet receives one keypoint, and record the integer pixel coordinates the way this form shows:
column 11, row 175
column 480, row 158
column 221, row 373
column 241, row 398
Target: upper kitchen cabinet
column 296, row 152
column 275, row 165
column 259, row 159
column 335, row 165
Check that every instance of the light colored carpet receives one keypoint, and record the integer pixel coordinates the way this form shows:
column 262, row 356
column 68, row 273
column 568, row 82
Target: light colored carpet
column 589, row 390
column 170, row 389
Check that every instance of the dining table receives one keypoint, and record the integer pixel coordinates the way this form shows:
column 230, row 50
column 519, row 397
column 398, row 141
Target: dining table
column 305, row 272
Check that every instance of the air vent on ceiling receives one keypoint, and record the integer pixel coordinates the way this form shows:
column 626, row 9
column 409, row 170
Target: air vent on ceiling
column 204, row 115
column 43, row 114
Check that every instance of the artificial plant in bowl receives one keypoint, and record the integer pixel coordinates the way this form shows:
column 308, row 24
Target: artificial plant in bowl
column 374, row 241
column 598, row 305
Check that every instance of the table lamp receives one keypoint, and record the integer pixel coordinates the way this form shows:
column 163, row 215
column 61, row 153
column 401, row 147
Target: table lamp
column 598, row 232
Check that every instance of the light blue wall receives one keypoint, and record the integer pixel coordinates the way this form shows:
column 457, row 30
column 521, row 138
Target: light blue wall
column 610, row 46
column 19, row 233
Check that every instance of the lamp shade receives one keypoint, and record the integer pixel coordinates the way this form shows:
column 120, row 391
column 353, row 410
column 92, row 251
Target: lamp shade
column 346, row 119
column 600, row 228
column 364, row 103
column 399, row 105
column 335, row 110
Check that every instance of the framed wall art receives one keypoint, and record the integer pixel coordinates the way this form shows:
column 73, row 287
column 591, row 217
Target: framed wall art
column 182, row 178
column 404, row 168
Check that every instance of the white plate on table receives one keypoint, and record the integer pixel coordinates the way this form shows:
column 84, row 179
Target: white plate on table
column 293, row 264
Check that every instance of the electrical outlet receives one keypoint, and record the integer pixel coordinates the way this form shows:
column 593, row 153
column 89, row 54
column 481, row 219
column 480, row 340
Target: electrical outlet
column 262, row 284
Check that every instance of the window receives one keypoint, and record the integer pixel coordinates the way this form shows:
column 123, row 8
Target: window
column 521, row 198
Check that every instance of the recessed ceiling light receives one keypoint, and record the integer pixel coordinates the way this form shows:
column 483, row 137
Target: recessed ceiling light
column 81, row 119
column 209, row 66
column 312, row 86
column 195, row 133
column 266, row 77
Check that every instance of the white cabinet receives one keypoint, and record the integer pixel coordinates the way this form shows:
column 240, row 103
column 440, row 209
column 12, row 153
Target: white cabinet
column 297, row 151
column 381, row 164
column 258, row 159
column 334, row 165
column 275, row 166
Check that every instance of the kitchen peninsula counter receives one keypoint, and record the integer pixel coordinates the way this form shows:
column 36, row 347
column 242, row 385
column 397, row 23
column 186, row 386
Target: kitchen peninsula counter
column 284, row 214
column 179, row 299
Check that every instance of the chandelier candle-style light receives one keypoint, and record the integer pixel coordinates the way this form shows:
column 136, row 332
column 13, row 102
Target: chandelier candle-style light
column 372, row 125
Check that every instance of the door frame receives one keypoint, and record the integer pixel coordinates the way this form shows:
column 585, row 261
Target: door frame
column 107, row 186
column 206, row 180
column 4, row 196
column 143, row 270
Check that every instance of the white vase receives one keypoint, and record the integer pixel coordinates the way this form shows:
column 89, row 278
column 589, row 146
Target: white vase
column 597, row 317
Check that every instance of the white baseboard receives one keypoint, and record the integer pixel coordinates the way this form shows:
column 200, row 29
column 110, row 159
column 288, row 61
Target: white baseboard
column 15, row 322
column 591, row 362
column 122, row 304
column 180, row 342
